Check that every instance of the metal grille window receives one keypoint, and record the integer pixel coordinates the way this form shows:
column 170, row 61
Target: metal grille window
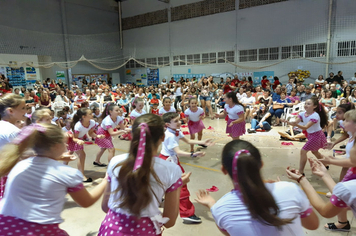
column 253, row 3
column 212, row 57
column 132, row 64
column 315, row 50
column 252, row 55
column 221, row 57
column 190, row 59
column 263, row 54
column 230, row 56
column 137, row 65
column 297, row 51
column 152, row 61
column 346, row 48
column 205, row 57
column 182, row 62
column 274, row 53
column 175, row 59
column 197, row 58
column 243, row 55
column 286, row 52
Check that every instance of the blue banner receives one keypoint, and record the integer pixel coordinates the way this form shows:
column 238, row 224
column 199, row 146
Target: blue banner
column 187, row 76
column 152, row 76
column 257, row 76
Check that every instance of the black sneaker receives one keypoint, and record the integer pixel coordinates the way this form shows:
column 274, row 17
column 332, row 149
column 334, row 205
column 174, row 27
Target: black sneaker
column 251, row 131
column 343, row 146
column 192, row 220
column 203, row 146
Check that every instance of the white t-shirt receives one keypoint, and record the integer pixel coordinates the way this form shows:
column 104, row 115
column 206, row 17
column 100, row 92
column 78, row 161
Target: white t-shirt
column 346, row 191
column 163, row 111
column 234, row 112
column 250, row 100
column 8, row 132
column 240, row 96
column 178, row 91
column 82, row 130
column 315, row 118
column 168, row 173
column 170, row 142
column 108, row 123
column 231, row 214
column 36, row 188
column 194, row 116
column 135, row 114
column 65, row 129
column 80, row 100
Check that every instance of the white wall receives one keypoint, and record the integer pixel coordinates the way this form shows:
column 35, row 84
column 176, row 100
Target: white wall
column 294, row 22
column 92, row 28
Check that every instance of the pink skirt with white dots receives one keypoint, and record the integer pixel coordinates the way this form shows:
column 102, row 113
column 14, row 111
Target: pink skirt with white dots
column 14, row 226
column 126, row 225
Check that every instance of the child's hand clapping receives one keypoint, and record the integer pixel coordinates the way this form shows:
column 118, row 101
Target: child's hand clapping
column 318, row 168
column 208, row 142
column 198, row 154
column 100, row 136
column 186, row 177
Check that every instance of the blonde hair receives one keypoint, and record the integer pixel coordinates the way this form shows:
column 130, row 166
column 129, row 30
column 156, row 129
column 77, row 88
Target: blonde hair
column 350, row 115
column 37, row 140
column 40, row 114
column 9, row 100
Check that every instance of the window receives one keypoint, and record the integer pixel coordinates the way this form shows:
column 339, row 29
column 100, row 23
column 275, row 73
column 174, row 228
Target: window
column 182, row 62
column 151, row 61
column 274, row 53
column 297, row 51
column 176, row 60
column 346, row 48
column 132, row 64
column 315, row 50
column 252, row 55
column 286, row 52
column 243, row 55
column 263, row 54
column 212, row 57
column 190, row 59
column 253, row 3
column 137, row 65
column 230, row 56
column 221, row 57
column 205, row 57
column 197, row 58
column 163, row 61
column 248, row 55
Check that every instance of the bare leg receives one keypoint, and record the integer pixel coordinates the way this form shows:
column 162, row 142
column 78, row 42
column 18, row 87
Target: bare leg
column 192, row 136
column 303, row 160
column 81, row 163
column 208, row 104
column 317, row 154
column 99, row 154
column 111, row 154
column 235, row 138
column 203, row 105
column 66, row 162
column 200, row 135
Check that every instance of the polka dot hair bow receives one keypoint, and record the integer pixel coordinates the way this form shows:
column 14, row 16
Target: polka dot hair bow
column 27, row 131
column 141, row 146
column 234, row 167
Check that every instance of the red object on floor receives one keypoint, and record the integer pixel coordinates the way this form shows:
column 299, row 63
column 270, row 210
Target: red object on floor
column 260, row 130
column 210, row 128
column 186, row 133
column 213, row 189
column 287, row 143
column 184, row 126
column 88, row 143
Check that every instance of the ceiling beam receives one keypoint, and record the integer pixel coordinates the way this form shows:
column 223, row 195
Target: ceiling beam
column 166, row 1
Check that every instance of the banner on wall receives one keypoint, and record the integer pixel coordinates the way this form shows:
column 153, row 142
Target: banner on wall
column 152, row 76
column 16, row 76
column 60, row 75
column 257, row 76
column 187, row 76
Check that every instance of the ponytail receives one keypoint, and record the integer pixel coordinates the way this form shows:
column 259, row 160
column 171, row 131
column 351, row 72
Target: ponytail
column 135, row 172
column 321, row 111
column 249, row 183
column 78, row 116
column 108, row 107
column 39, row 137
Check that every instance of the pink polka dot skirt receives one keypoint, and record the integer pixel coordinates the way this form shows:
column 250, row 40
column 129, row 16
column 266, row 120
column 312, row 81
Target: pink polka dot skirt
column 16, row 227
column 126, row 225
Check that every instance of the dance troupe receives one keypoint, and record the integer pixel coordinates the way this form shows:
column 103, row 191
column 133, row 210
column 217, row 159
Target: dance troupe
column 35, row 177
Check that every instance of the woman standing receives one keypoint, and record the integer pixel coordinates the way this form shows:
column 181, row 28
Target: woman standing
column 205, row 98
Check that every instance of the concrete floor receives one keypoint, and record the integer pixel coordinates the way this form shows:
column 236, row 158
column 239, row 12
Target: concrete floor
column 205, row 173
